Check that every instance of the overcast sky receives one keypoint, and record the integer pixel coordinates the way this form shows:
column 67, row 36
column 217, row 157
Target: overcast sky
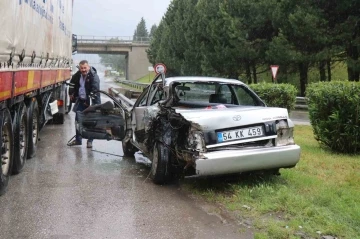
column 115, row 17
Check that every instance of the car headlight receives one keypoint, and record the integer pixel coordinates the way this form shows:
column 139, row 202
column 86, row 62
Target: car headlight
column 284, row 134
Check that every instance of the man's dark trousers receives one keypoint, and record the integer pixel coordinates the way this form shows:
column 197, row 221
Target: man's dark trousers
column 80, row 107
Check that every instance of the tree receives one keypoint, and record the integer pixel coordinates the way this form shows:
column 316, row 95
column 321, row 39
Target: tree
column 116, row 62
column 249, row 30
column 141, row 33
column 235, row 37
column 304, row 30
column 152, row 31
column 344, row 27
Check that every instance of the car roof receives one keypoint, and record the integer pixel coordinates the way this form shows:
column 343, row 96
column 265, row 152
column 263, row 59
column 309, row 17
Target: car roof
column 170, row 80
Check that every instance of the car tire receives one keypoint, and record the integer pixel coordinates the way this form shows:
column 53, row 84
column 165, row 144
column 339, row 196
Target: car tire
column 33, row 126
column 21, row 129
column 7, row 149
column 128, row 148
column 161, row 165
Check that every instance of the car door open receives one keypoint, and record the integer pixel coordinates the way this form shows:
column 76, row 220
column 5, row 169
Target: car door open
column 105, row 121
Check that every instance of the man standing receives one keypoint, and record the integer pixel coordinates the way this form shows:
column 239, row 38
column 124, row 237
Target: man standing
column 82, row 84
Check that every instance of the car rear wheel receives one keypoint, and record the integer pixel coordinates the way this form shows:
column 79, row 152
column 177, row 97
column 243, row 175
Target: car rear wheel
column 161, row 166
column 7, row 149
column 33, row 124
column 21, row 139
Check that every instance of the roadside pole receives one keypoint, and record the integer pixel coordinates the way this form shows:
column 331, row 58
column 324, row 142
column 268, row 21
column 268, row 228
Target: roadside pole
column 150, row 69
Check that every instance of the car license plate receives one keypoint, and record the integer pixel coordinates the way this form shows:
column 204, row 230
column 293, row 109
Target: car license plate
column 240, row 134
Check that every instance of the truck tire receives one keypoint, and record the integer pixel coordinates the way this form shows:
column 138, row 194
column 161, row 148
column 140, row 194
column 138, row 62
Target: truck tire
column 161, row 166
column 7, row 149
column 33, row 126
column 128, row 149
column 21, row 131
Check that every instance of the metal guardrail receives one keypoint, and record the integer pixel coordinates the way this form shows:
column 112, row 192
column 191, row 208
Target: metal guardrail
column 113, row 39
column 132, row 84
column 300, row 103
column 124, row 100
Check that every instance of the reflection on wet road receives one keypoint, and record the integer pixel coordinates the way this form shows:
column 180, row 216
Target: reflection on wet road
column 81, row 193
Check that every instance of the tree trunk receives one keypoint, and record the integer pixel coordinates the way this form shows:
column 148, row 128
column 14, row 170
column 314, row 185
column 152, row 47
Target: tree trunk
column 253, row 65
column 248, row 73
column 284, row 74
column 303, row 69
column 322, row 71
column 328, row 66
column 353, row 62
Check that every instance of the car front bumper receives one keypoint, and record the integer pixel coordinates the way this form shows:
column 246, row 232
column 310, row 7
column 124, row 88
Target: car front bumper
column 245, row 160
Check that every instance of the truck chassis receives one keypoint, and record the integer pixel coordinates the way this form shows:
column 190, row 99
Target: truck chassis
column 26, row 96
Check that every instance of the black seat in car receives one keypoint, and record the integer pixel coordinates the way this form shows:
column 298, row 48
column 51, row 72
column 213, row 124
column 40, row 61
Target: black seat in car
column 217, row 98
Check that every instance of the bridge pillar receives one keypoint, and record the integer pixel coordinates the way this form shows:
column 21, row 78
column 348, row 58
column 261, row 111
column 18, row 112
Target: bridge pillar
column 137, row 63
column 127, row 66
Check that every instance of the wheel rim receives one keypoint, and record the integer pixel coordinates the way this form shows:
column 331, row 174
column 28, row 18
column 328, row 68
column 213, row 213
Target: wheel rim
column 22, row 138
column 35, row 127
column 5, row 152
column 155, row 160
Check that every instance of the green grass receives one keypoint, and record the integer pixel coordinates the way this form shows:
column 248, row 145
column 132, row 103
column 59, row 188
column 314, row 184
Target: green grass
column 146, row 79
column 322, row 194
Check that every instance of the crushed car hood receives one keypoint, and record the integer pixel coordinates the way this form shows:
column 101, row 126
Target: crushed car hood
column 212, row 119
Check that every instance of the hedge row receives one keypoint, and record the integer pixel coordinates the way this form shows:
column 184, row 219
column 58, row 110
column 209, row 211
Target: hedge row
column 276, row 95
column 334, row 109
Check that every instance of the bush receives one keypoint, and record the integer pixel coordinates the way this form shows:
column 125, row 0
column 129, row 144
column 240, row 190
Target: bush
column 276, row 95
column 334, row 109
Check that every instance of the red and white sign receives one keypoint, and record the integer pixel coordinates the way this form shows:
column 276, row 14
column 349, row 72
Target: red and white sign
column 274, row 70
column 160, row 68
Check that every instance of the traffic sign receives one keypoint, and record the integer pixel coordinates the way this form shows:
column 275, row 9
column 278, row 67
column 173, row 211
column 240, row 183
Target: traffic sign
column 160, row 68
column 274, row 70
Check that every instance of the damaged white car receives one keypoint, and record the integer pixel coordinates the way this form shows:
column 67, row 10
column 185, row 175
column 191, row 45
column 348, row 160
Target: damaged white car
column 197, row 126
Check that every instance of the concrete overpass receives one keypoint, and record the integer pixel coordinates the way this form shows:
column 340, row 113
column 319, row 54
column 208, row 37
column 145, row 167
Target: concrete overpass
column 137, row 62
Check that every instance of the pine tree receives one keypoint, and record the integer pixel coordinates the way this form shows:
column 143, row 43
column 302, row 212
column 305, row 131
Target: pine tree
column 153, row 30
column 141, row 33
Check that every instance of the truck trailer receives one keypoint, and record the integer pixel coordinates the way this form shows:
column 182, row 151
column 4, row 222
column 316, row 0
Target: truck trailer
column 35, row 60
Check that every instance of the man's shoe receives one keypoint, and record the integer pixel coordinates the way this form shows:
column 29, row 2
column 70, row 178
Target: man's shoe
column 74, row 143
column 89, row 145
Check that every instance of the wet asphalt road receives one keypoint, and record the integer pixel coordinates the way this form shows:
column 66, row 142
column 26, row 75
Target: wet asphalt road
column 81, row 193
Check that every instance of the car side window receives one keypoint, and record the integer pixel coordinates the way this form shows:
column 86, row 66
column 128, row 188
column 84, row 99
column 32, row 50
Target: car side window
column 158, row 96
column 244, row 97
column 225, row 90
column 141, row 101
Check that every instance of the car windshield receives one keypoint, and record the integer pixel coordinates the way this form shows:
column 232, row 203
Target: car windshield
column 215, row 92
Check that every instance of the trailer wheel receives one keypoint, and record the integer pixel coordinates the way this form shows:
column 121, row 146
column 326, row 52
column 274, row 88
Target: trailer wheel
column 20, row 139
column 160, row 167
column 7, row 149
column 33, row 126
column 128, row 149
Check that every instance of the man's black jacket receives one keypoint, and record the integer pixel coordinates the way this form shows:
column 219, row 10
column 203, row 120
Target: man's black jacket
column 92, row 83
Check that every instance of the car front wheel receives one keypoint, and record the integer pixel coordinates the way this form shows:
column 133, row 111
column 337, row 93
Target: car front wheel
column 160, row 167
